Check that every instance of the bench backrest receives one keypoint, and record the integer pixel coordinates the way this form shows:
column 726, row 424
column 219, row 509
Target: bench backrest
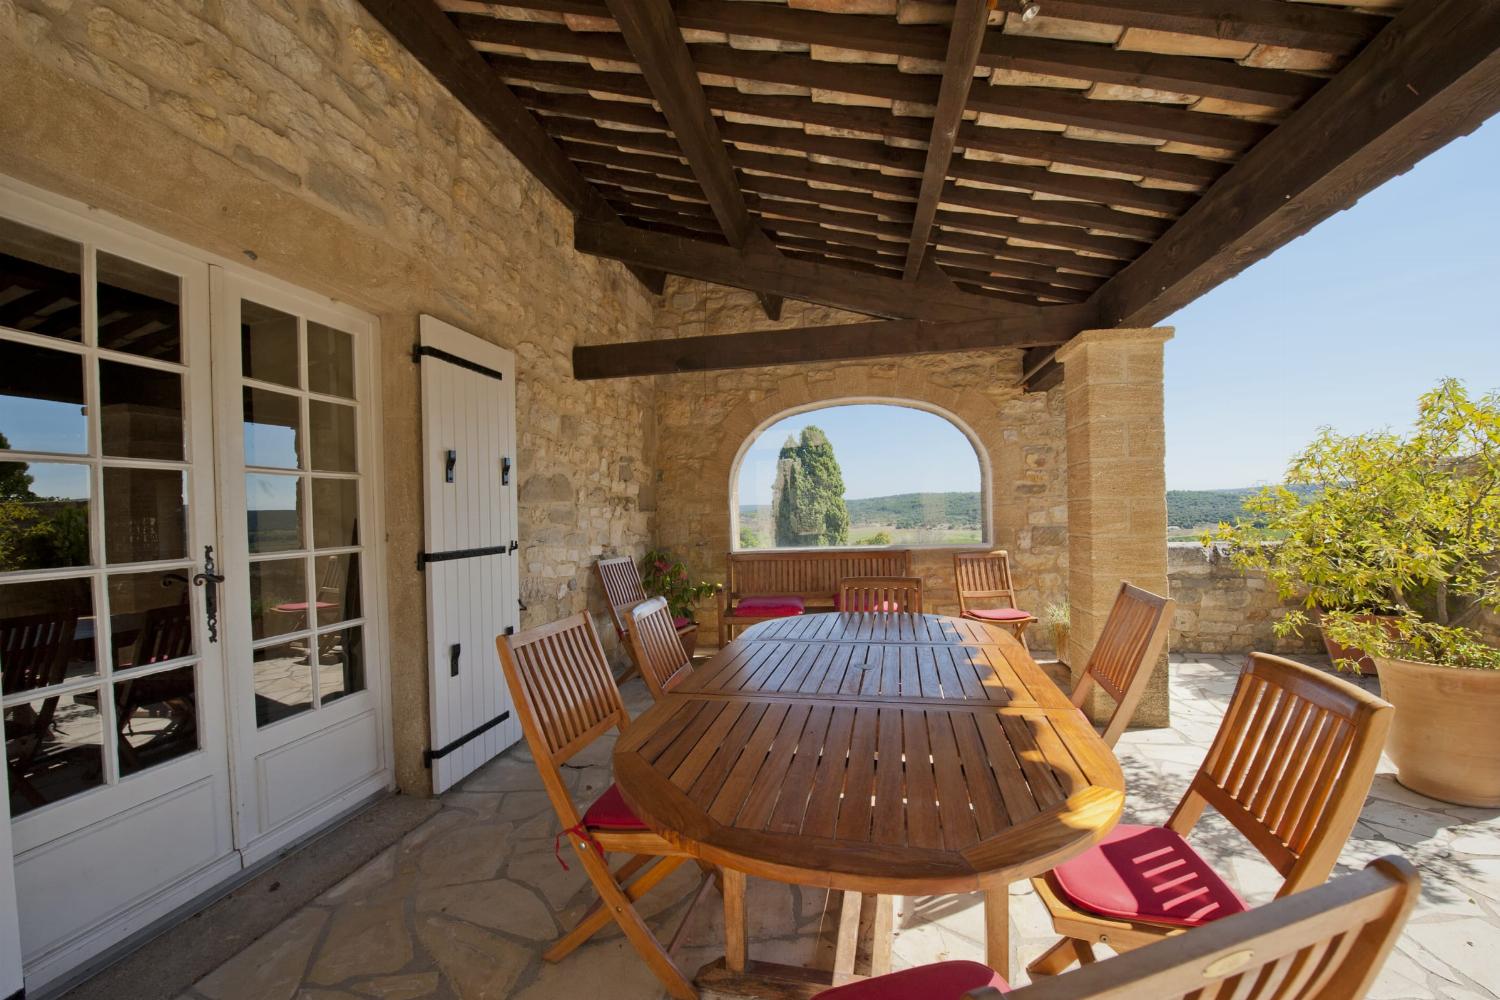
column 811, row 573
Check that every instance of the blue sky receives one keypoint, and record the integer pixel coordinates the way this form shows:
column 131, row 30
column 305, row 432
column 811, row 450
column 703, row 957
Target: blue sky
column 1344, row 327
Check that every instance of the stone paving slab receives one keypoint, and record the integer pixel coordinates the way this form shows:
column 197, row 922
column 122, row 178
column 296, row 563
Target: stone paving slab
column 464, row 905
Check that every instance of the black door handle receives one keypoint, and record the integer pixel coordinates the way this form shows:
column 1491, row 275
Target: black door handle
column 209, row 581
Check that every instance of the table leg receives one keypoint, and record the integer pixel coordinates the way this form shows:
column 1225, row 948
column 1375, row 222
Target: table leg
column 848, row 937
column 997, row 929
column 882, row 933
column 734, row 920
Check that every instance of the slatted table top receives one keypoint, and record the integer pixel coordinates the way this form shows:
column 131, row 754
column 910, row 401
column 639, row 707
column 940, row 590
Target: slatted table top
column 772, row 758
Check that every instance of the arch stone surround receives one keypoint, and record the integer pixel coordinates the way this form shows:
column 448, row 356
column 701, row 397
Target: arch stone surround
column 703, row 421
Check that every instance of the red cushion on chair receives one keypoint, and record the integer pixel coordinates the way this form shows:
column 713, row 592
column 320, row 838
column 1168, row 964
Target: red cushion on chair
column 301, row 606
column 770, row 607
column 941, row 981
column 680, row 622
column 610, row 812
column 999, row 614
column 1147, row 873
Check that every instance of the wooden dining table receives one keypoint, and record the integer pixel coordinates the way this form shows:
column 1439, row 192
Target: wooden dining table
column 884, row 754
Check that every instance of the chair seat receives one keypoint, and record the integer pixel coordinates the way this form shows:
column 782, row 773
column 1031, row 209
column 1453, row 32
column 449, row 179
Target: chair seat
column 301, row 606
column 940, row 981
column 770, row 607
column 999, row 614
column 1147, row 873
column 611, row 812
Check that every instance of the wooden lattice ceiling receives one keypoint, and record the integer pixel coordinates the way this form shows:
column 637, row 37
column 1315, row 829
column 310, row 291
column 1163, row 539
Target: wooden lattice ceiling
column 986, row 177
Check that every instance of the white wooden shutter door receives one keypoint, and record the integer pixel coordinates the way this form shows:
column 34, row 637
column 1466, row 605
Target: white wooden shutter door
column 470, row 556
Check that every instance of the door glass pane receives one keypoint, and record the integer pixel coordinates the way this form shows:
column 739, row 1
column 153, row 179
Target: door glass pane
column 338, row 588
column 333, row 446
column 268, row 344
column 330, row 361
column 274, row 512
column 44, row 515
column 139, row 309
column 40, row 283
column 150, row 619
column 141, row 411
column 41, row 400
column 283, row 682
column 272, row 423
column 278, row 597
column 158, row 718
column 46, row 633
column 335, row 513
column 341, row 663
column 145, row 514
column 54, row 748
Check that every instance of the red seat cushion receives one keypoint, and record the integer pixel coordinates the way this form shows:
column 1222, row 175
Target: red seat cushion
column 1147, row 873
column 301, row 606
column 999, row 614
column 610, row 812
column 941, row 981
column 680, row 623
column 770, row 607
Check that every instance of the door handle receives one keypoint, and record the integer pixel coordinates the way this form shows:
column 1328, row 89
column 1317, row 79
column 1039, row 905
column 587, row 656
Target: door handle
column 209, row 581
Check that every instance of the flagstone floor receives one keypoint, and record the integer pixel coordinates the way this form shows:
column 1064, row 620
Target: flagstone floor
column 464, row 905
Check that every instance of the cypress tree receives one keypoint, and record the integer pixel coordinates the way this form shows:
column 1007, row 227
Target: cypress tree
column 807, row 499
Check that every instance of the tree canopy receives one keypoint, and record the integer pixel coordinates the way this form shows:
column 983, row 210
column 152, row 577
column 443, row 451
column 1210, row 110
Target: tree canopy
column 807, row 499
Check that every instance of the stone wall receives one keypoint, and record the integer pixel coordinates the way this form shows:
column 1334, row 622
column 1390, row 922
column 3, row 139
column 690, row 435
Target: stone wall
column 703, row 420
column 299, row 136
column 1224, row 609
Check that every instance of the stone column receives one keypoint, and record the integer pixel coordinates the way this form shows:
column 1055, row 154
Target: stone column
column 1117, row 502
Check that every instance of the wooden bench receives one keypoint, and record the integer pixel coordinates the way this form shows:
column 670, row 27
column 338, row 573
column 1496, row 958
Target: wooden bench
column 810, row 576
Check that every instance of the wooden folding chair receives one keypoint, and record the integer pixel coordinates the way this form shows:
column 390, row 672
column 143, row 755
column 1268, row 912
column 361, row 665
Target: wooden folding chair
column 657, row 649
column 1289, row 767
column 883, row 594
column 34, row 653
column 566, row 698
column 1124, row 657
column 986, row 592
column 1325, row 944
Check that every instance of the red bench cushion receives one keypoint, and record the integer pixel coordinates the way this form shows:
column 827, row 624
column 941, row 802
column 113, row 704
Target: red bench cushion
column 999, row 614
column 770, row 607
column 610, row 812
column 1147, row 873
column 940, row 981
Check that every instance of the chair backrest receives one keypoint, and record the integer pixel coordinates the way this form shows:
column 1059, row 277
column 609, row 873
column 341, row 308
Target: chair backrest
column 983, row 579
column 1126, row 654
column 658, row 650
column 34, row 649
column 564, row 694
column 1325, row 944
column 1290, row 765
column 621, row 579
column 887, row 594
column 808, row 573
column 166, row 634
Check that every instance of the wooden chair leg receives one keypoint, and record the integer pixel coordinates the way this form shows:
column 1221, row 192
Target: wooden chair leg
column 848, row 936
column 1061, row 955
column 735, row 945
column 881, row 935
column 997, row 929
column 599, row 915
column 617, row 903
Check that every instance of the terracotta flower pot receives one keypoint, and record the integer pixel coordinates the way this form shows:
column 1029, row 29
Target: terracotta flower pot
column 689, row 635
column 1444, row 739
column 1338, row 652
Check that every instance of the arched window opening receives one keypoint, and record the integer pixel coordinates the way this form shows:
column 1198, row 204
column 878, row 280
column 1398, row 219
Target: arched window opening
column 859, row 474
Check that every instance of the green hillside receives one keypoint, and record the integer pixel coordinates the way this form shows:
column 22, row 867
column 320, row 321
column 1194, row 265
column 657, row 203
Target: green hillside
column 1196, row 508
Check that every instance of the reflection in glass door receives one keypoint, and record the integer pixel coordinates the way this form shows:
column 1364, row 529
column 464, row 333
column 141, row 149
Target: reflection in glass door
column 294, row 489
column 112, row 697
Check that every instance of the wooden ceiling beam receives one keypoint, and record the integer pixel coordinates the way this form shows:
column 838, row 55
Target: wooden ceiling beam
column 1149, row 121
column 444, row 52
column 1070, row 213
column 964, row 37
column 1261, row 22
column 1100, row 190
column 1206, row 77
column 800, row 280
column 809, row 345
column 1431, row 76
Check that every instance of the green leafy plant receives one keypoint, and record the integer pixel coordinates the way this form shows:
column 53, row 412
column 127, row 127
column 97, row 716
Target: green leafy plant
column 878, row 538
column 807, row 498
column 663, row 575
column 1405, row 526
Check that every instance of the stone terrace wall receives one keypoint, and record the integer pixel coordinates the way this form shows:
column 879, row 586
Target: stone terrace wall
column 1223, row 609
column 703, row 419
column 299, row 135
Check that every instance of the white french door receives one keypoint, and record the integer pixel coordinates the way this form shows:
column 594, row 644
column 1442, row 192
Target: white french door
column 296, row 492
column 193, row 670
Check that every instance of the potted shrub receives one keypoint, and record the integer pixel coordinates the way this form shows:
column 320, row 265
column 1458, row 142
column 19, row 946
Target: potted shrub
column 663, row 575
column 1410, row 524
column 1055, row 617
